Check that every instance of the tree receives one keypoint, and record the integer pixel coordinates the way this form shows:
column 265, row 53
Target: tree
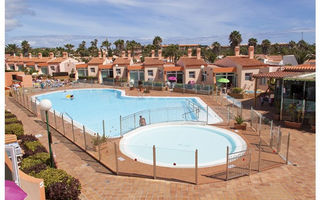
column 157, row 42
column 69, row 47
column 106, row 44
column 173, row 52
column 302, row 45
column 265, row 44
column 292, row 44
column 132, row 46
column 59, row 50
column 12, row 49
column 252, row 42
column 216, row 47
column 235, row 39
column 119, row 46
column 93, row 49
column 25, row 47
column 208, row 55
column 82, row 49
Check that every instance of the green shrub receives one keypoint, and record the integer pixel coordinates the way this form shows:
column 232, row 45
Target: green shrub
column 238, row 119
column 28, row 162
column 34, row 163
column 9, row 115
column 33, row 145
column 15, row 128
column 236, row 90
column 12, row 120
column 43, row 157
column 59, row 185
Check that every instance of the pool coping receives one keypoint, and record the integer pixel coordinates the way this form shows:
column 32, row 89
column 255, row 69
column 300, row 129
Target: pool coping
column 240, row 143
column 123, row 94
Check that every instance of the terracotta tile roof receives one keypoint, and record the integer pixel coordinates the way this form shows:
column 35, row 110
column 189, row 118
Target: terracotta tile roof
column 135, row 67
column 276, row 58
column 175, row 68
column 10, row 63
column 152, row 61
column 301, row 68
column 57, row 60
column 81, row 66
column 122, row 61
column 193, row 61
column 278, row 74
column 244, row 61
column 42, row 64
column 95, row 61
column 109, row 66
column 224, row 69
column 30, row 63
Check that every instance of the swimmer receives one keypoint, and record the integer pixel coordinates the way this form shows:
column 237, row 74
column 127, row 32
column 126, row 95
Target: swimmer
column 71, row 97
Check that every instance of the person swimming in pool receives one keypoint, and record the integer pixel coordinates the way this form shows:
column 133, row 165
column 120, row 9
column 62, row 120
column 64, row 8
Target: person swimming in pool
column 71, row 97
column 142, row 121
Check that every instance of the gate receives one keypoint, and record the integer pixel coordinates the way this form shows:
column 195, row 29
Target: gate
column 238, row 164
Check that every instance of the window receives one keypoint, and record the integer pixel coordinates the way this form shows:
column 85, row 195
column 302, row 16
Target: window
column 150, row 72
column 52, row 68
column 118, row 71
column 92, row 69
column 248, row 76
column 262, row 81
column 192, row 74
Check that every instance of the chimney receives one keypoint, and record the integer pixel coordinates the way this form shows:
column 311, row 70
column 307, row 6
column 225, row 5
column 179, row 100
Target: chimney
column 123, row 55
column 189, row 53
column 30, row 56
column 51, row 55
column 21, row 55
column 251, row 52
column 160, row 54
column 237, row 51
column 14, row 55
column 152, row 54
column 99, row 54
column 129, row 54
column 65, row 55
column 39, row 55
column 198, row 53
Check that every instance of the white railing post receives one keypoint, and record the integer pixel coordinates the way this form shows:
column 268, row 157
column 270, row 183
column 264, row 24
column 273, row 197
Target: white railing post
column 84, row 136
column 207, row 114
column 288, row 143
column 196, row 167
column 227, row 164
column 116, row 158
column 72, row 130
column 120, row 126
column 64, row 131
column 154, row 162
column 271, row 133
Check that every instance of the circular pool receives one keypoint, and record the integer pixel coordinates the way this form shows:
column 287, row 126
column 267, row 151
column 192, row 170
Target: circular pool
column 175, row 144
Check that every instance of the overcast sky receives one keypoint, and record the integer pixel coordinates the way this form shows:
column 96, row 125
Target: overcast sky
column 57, row 22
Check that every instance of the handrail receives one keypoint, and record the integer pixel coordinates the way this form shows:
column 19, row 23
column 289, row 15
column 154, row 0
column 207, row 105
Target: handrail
column 67, row 115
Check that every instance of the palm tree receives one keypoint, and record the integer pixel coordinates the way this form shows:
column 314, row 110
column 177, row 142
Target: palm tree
column 292, row 44
column 157, row 42
column 173, row 52
column 302, row 45
column 216, row 47
column 25, row 47
column 252, row 42
column 93, row 49
column 82, row 49
column 265, row 44
column 69, row 47
column 106, row 44
column 12, row 49
column 235, row 39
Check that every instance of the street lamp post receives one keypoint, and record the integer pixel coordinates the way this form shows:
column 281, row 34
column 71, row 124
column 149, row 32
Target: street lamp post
column 202, row 73
column 46, row 105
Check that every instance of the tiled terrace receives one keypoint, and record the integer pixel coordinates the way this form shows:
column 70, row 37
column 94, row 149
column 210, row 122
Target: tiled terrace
column 284, row 182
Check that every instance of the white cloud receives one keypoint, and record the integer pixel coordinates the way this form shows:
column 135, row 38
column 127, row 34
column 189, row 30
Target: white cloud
column 14, row 10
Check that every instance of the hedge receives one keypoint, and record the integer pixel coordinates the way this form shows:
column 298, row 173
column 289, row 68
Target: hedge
column 12, row 120
column 15, row 128
column 59, row 185
column 35, row 163
column 31, row 146
column 9, row 115
column 236, row 90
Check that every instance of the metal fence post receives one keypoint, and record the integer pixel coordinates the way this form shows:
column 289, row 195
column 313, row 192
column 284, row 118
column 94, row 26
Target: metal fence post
column 55, row 120
column 227, row 164
column 288, row 143
column 196, row 167
column 120, row 126
column 271, row 133
column 104, row 129
column 72, row 130
column 154, row 162
column 250, row 161
column 134, row 120
column 279, row 140
column 116, row 158
column 149, row 117
column 99, row 148
column 241, row 110
column 251, row 116
column 207, row 114
column 259, row 156
column 84, row 135
column 260, row 121
column 64, row 131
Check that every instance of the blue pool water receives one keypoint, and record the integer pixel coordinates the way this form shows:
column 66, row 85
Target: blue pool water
column 90, row 106
column 176, row 143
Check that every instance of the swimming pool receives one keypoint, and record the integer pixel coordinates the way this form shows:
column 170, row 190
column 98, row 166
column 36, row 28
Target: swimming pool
column 176, row 144
column 90, row 106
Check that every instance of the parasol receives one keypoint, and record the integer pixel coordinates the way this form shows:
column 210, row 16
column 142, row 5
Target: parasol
column 13, row 191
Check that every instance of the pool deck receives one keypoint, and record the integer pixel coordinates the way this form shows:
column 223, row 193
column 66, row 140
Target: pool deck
column 283, row 182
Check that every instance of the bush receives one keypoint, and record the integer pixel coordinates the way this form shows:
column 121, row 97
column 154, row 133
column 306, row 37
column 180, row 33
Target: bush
column 33, row 145
column 9, row 115
column 28, row 162
column 35, row 169
column 28, row 138
column 15, row 128
column 35, row 163
column 12, row 120
column 59, row 185
column 236, row 90
column 238, row 119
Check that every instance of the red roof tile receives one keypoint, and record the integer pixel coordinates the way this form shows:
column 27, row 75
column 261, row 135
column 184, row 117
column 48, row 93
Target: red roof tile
column 170, row 69
column 224, row 69
column 301, row 68
column 152, row 61
column 95, row 61
column 42, row 64
column 81, row 66
column 135, row 67
column 109, row 66
column 244, row 61
column 279, row 74
column 57, row 60
column 122, row 61
column 193, row 61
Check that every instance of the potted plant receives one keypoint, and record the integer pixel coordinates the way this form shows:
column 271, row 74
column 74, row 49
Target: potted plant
column 239, row 124
column 296, row 116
